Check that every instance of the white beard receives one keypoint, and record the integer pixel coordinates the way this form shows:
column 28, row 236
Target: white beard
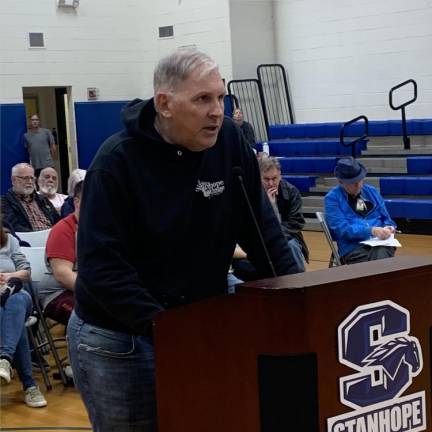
column 48, row 190
column 26, row 190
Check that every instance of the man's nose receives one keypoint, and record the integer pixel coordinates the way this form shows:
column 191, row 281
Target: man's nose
column 217, row 109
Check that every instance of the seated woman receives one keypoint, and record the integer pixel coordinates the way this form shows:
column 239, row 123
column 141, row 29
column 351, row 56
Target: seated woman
column 16, row 306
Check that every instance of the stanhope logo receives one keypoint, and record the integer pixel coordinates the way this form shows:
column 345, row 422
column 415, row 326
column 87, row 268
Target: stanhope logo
column 374, row 340
column 209, row 189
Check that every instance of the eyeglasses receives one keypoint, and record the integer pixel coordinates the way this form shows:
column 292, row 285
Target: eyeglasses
column 26, row 178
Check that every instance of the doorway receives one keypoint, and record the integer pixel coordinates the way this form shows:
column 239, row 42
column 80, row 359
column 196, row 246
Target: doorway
column 53, row 106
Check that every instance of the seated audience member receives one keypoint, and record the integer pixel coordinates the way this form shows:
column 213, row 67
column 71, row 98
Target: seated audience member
column 48, row 185
column 76, row 176
column 354, row 212
column 245, row 127
column 22, row 208
column 57, row 288
column 15, row 308
column 286, row 201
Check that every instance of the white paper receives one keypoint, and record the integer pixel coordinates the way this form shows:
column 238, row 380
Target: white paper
column 375, row 241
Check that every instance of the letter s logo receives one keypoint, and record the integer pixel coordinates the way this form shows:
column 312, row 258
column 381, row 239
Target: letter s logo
column 374, row 340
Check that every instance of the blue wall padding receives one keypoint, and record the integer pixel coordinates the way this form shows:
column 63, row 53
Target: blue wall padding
column 409, row 208
column 302, row 183
column 330, row 130
column 419, row 165
column 308, row 164
column 406, row 185
column 296, row 147
column 95, row 122
column 12, row 127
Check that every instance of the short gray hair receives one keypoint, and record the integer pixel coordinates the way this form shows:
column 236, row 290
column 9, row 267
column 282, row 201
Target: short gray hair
column 178, row 66
column 269, row 163
column 18, row 166
column 76, row 176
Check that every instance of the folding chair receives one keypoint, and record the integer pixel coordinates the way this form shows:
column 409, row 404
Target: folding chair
column 36, row 258
column 335, row 259
column 34, row 238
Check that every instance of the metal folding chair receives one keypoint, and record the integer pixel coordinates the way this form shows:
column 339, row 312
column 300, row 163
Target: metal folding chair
column 335, row 259
column 42, row 340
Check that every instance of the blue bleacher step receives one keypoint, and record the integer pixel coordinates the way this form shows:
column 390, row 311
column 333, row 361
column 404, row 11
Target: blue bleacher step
column 302, row 182
column 311, row 147
column 414, row 186
column 409, row 208
column 307, row 165
column 419, row 164
column 332, row 129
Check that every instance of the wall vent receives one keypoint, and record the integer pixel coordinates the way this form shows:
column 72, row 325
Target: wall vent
column 36, row 40
column 166, row 32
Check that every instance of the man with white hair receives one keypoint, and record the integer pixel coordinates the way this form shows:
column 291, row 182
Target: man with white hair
column 23, row 209
column 162, row 210
column 48, row 185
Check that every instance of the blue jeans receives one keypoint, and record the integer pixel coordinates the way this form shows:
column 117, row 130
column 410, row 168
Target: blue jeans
column 297, row 253
column 14, row 342
column 114, row 372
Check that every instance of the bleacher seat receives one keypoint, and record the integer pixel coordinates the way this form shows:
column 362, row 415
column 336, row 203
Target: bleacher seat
column 302, row 183
column 308, row 164
column 316, row 147
column 419, row 165
column 409, row 208
column 332, row 129
column 406, row 185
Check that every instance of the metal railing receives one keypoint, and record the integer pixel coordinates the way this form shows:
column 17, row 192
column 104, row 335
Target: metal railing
column 277, row 99
column 247, row 95
column 355, row 141
column 406, row 139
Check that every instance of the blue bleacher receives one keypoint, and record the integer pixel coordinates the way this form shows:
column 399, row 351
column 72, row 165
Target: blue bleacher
column 323, row 147
column 419, row 164
column 302, row 183
column 308, row 164
column 376, row 128
column 406, row 185
column 409, row 208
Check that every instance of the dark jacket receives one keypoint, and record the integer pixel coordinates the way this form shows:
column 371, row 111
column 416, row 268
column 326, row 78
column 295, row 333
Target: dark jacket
column 289, row 205
column 159, row 223
column 68, row 207
column 15, row 215
column 248, row 133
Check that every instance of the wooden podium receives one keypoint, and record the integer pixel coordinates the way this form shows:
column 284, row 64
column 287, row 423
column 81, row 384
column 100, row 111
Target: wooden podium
column 266, row 358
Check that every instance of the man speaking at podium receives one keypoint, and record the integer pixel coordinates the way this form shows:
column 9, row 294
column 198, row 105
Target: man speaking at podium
column 165, row 202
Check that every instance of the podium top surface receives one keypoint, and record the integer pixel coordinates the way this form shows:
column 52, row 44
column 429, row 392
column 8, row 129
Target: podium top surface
column 376, row 268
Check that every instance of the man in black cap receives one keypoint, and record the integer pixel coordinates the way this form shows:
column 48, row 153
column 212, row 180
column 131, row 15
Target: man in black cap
column 356, row 212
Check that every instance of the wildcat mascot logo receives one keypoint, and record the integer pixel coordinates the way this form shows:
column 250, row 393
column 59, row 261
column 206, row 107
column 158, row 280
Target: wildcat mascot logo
column 374, row 340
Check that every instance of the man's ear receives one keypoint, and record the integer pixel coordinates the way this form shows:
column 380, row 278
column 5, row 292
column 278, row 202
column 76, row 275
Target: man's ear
column 163, row 104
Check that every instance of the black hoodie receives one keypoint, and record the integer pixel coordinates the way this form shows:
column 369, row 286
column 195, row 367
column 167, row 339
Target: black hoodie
column 159, row 223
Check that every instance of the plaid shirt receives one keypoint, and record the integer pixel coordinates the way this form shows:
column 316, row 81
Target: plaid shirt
column 37, row 218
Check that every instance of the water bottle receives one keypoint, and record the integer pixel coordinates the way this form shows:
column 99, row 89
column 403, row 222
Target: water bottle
column 266, row 148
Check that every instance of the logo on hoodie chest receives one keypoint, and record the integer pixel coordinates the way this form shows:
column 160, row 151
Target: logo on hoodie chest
column 210, row 189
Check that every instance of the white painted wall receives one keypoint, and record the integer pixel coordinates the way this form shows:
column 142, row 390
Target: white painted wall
column 343, row 56
column 252, row 36
column 106, row 44
column 203, row 23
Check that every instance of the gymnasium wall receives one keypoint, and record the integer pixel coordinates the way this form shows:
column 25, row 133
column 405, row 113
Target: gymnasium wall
column 343, row 56
column 252, row 36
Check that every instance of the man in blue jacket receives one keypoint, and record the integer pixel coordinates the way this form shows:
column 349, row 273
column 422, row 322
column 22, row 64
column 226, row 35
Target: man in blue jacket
column 162, row 211
column 355, row 212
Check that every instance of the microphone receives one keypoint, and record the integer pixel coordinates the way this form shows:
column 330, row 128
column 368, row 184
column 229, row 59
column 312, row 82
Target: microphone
column 238, row 172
